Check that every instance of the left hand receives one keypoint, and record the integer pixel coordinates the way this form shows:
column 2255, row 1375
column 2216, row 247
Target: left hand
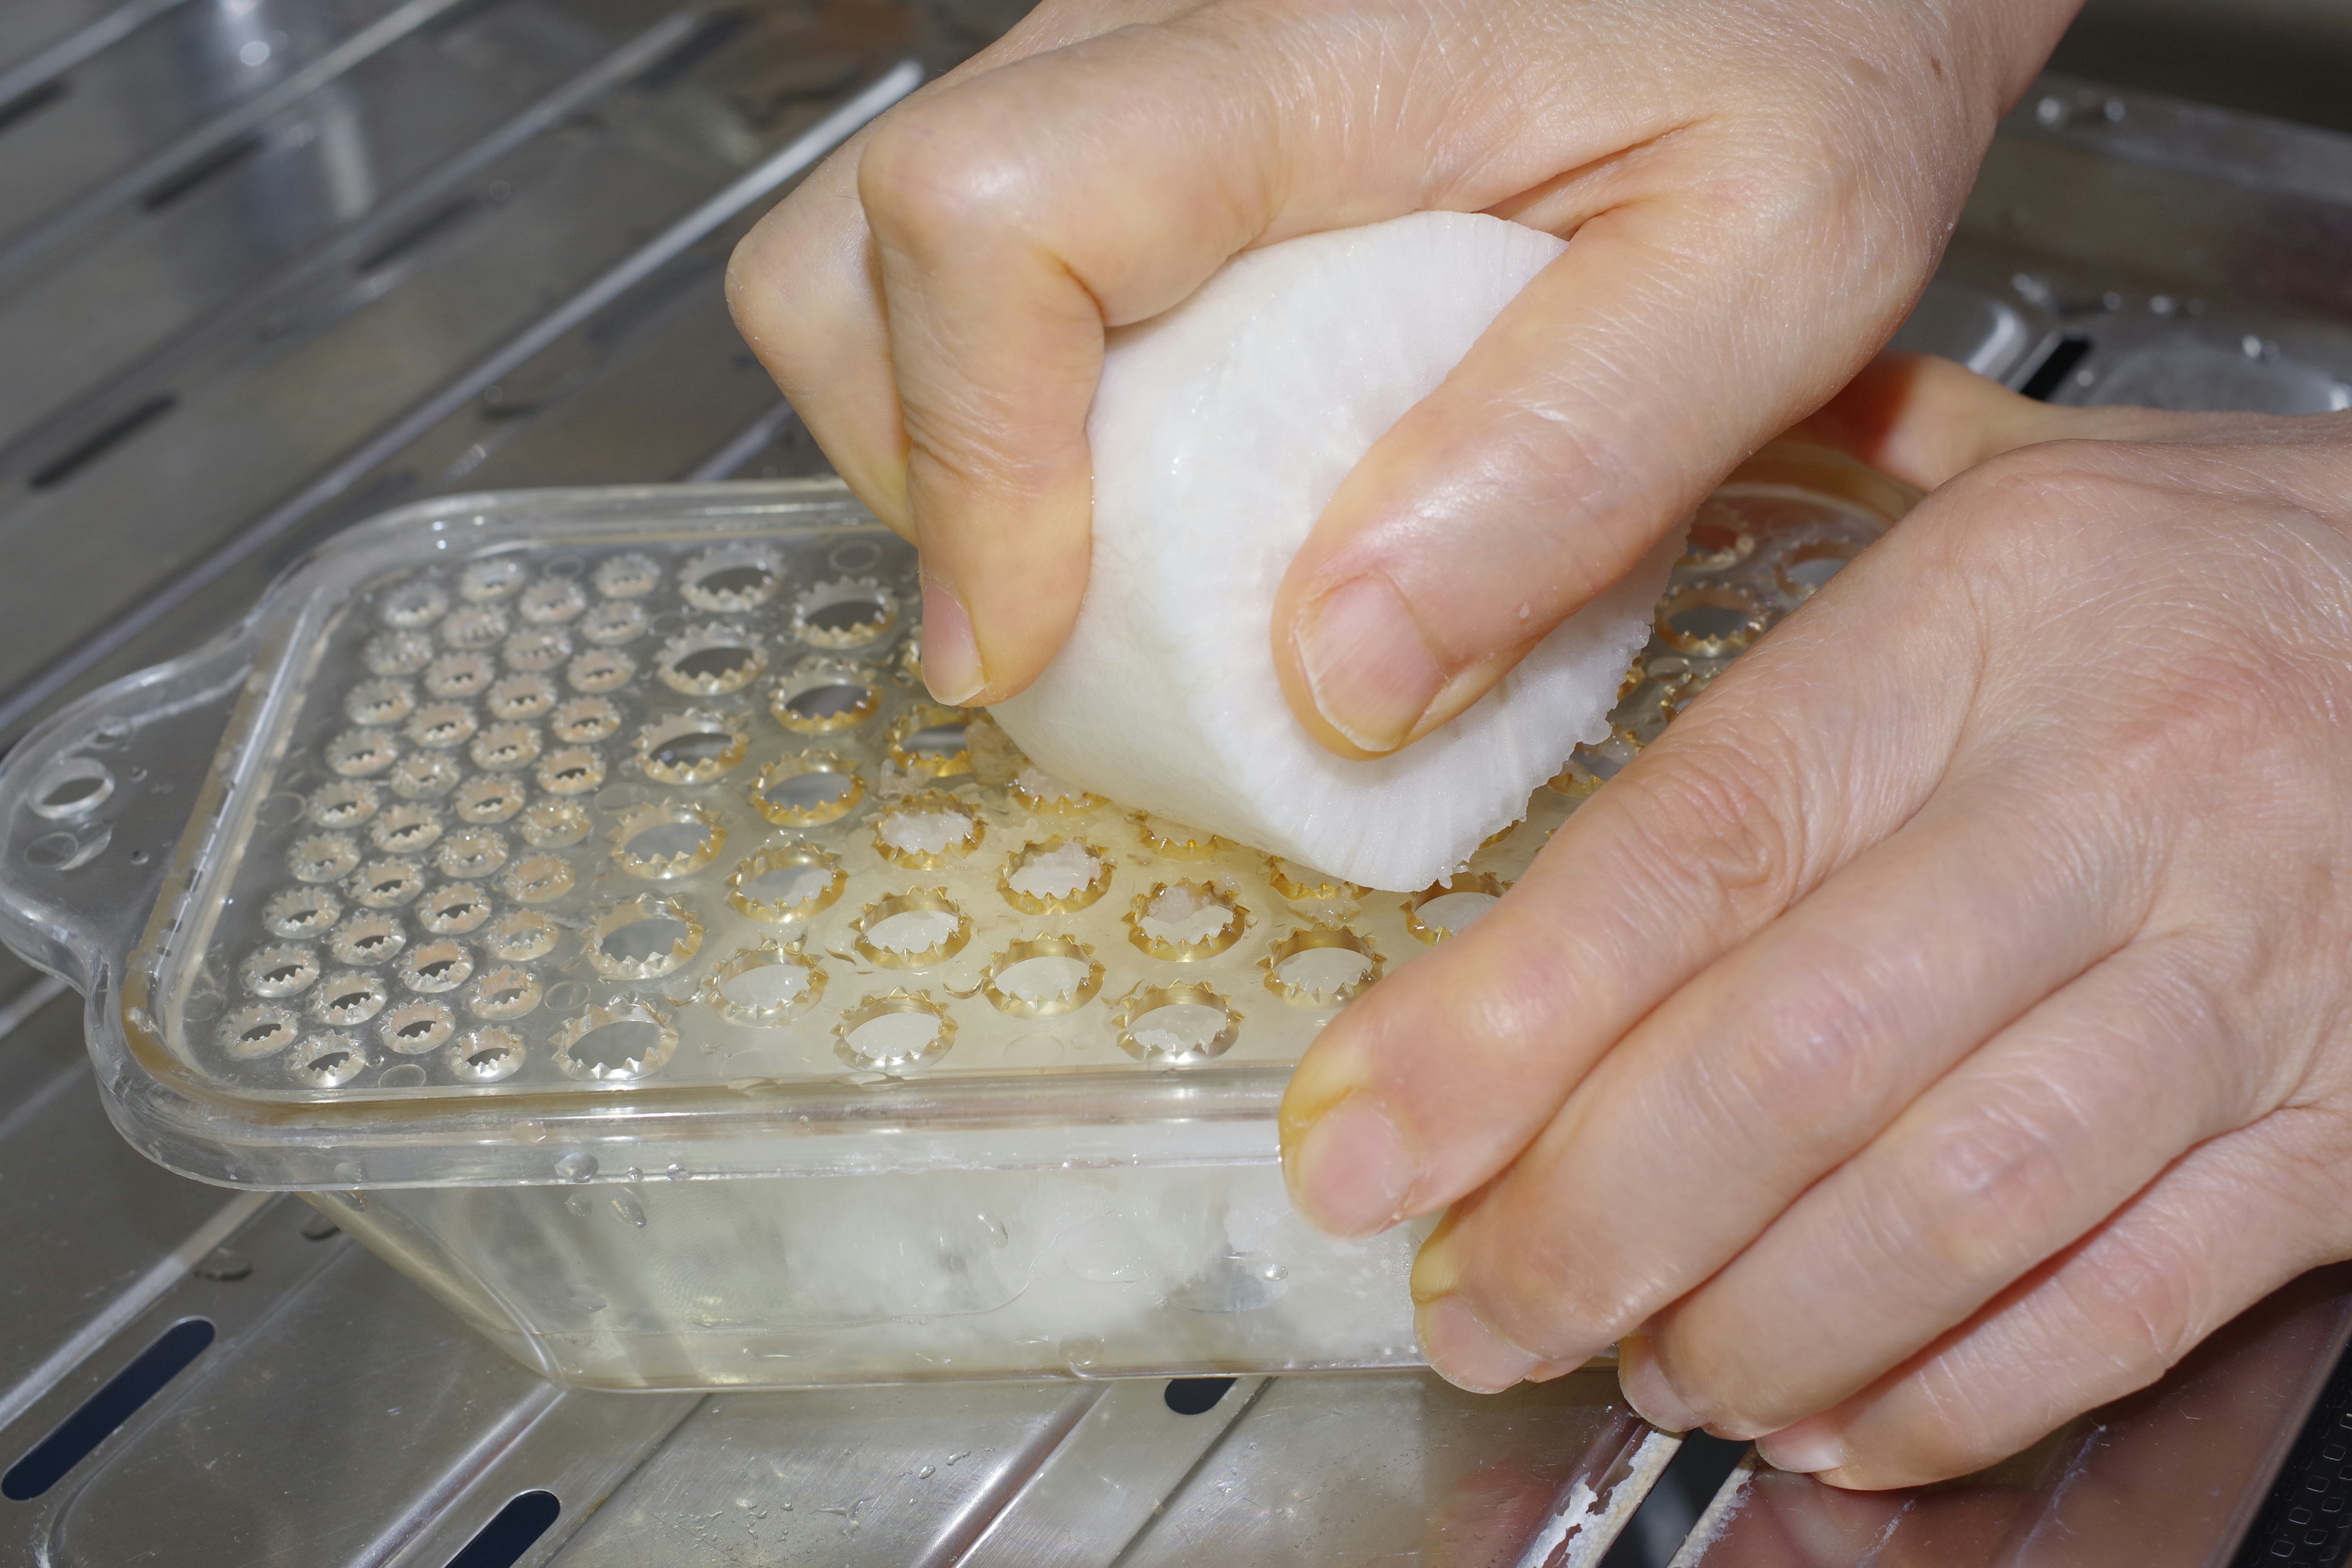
column 1947, row 1023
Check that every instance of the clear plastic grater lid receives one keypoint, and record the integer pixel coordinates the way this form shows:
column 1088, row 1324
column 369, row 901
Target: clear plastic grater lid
column 620, row 819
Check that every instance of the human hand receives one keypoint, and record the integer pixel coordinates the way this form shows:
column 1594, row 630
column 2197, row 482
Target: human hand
column 1943, row 1026
column 1756, row 191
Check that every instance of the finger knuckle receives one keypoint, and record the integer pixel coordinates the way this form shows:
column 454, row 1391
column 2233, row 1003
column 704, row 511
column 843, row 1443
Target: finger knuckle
column 1723, row 817
column 1804, row 1062
column 1961, row 1203
column 2137, row 1309
column 929, row 181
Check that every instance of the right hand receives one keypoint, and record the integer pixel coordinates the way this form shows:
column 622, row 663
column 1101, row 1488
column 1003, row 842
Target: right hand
column 1756, row 192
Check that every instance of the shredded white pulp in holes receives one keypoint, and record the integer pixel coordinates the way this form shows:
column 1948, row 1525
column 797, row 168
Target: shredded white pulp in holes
column 769, row 986
column 1305, row 876
column 1046, row 978
column 1178, row 1027
column 925, row 832
column 1042, row 786
column 1057, row 873
column 1184, row 913
column 1456, row 912
column 790, row 885
column 912, row 931
column 894, row 1036
column 1324, row 969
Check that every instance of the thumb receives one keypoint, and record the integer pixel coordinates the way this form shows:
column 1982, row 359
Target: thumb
column 1926, row 420
column 1603, row 403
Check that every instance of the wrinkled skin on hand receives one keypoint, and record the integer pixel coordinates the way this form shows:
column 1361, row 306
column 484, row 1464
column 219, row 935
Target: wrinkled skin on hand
column 1755, row 191
column 1944, row 1026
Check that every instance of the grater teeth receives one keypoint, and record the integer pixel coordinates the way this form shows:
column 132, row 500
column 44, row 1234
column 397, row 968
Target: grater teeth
column 929, row 741
column 824, row 696
column 575, row 1033
column 511, row 758
column 730, row 579
column 488, row 1055
column 901, row 838
column 832, row 789
column 691, row 747
column 1296, row 983
column 879, row 950
column 845, row 613
column 1482, row 885
column 1146, row 1032
column 1020, row 1001
column 770, row 955
column 1300, row 884
column 1034, row 900
column 1141, row 916
column 646, row 909
column 638, row 840
column 1174, row 840
column 742, row 884
column 870, row 1036
column 711, row 660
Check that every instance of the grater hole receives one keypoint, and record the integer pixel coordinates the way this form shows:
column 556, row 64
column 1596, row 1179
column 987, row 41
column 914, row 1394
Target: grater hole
column 406, row 829
column 1177, row 1023
column 629, row 576
column 417, row 1028
column 459, row 675
column 616, row 1042
column 366, row 938
column 397, row 653
column 655, row 937
column 731, row 578
column 586, row 719
column 709, row 662
column 485, row 1056
column 524, row 696
column 490, row 578
column 437, row 967
column 327, row 1061
column 895, row 1031
column 1449, row 908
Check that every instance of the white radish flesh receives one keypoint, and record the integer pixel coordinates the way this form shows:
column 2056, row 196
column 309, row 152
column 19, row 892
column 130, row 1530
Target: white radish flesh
column 1219, row 432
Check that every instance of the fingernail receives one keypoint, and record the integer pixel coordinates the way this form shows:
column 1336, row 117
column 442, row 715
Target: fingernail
column 1647, row 1390
column 950, row 657
column 1804, row 1448
column 1370, row 674
column 1465, row 1352
column 1352, row 1173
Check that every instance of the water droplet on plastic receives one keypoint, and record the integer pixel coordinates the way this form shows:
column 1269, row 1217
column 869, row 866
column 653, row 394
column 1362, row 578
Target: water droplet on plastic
column 1082, row 1352
column 926, row 1472
column 628, row 1208
column 576, row 1166
column 997, row 1235
column 578, row 1207
column 676, row 1172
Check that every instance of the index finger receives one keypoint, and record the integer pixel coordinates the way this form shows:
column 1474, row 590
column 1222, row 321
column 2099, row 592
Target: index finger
column 805, row 292
column 1020, row 215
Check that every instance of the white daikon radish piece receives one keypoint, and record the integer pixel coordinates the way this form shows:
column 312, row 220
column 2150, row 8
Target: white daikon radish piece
column 1220, row 430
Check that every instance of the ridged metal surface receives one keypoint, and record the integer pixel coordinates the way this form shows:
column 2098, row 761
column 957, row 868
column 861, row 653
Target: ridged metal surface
column 267, row 266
